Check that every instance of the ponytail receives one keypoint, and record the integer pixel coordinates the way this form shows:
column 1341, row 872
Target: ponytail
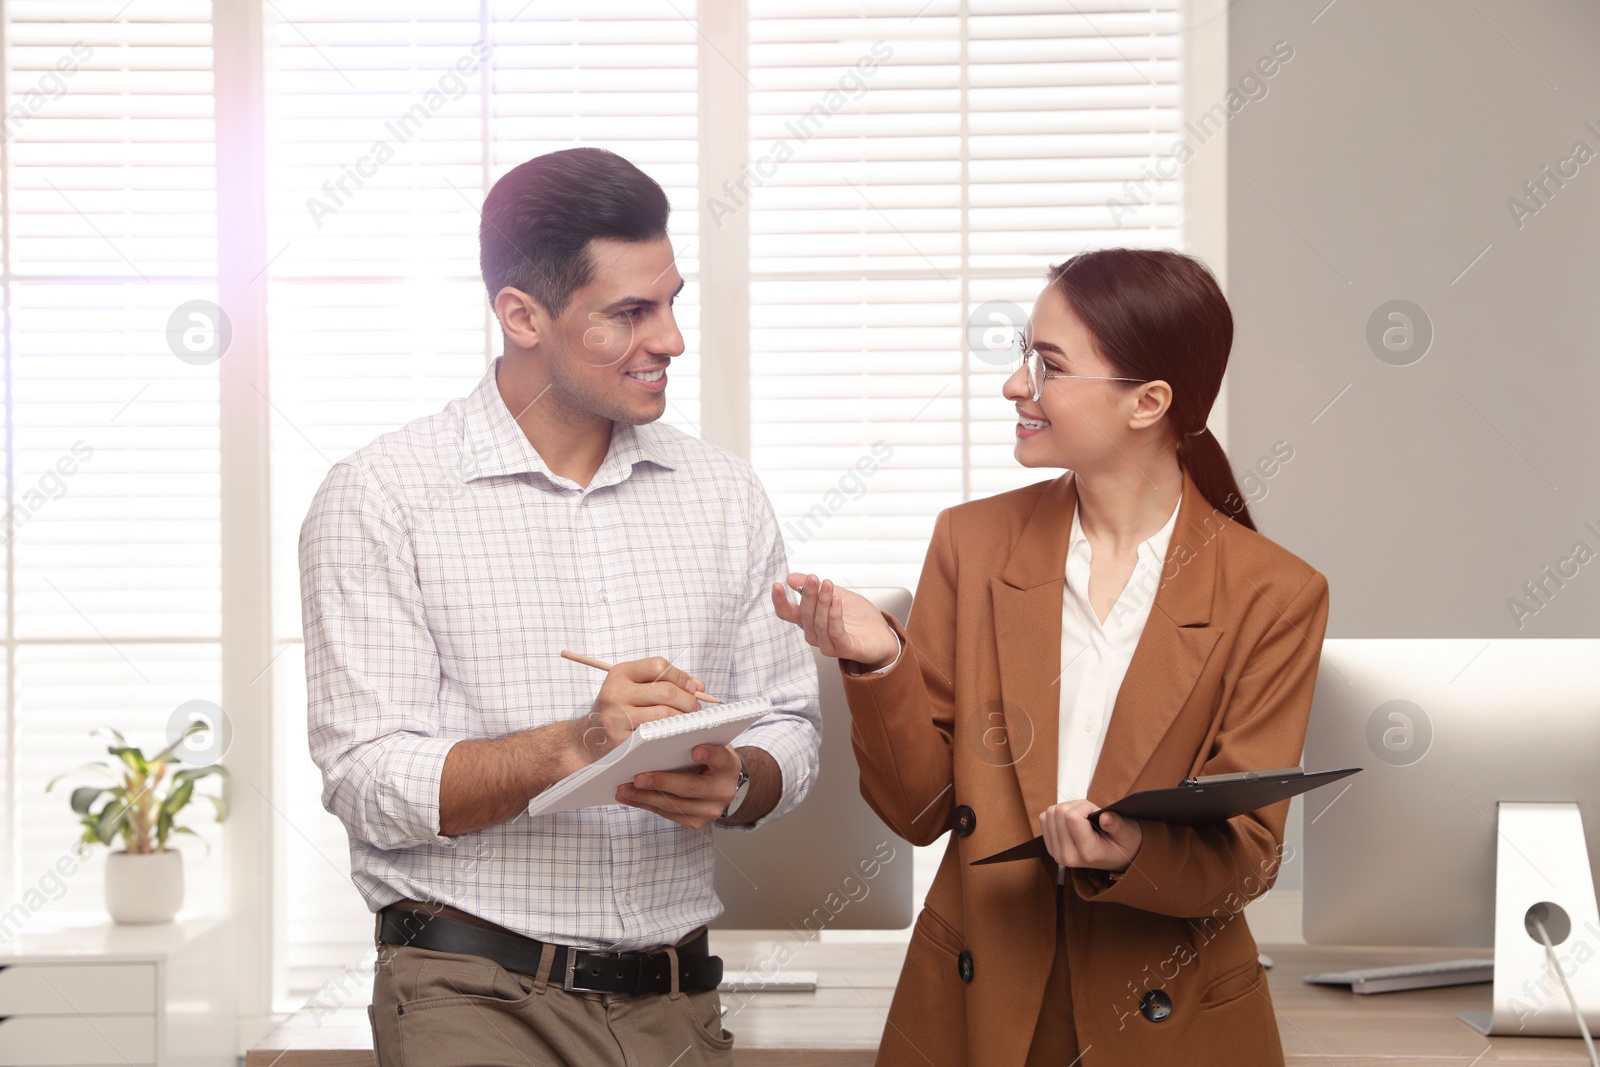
column 1202, row 456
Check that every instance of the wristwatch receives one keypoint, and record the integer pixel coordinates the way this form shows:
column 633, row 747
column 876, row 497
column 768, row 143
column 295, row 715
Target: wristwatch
column 740, row 791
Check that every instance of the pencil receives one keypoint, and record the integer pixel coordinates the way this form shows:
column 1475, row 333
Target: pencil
column 600, row 664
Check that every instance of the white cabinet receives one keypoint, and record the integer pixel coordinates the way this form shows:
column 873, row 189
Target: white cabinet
column 77, row 1041
column 118, row 996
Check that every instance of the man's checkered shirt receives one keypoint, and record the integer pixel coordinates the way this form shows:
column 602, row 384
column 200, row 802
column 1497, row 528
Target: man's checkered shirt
column 443, row 569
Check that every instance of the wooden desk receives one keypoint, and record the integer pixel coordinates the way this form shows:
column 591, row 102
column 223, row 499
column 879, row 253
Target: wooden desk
column 839, row 1024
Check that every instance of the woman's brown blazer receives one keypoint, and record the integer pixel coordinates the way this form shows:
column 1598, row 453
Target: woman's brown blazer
column 961, row 735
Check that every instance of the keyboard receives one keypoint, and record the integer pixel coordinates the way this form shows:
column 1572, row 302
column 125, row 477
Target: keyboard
column 1408, row 976
column 763, row 982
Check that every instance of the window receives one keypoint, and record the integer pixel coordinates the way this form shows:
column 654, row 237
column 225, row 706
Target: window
column 111, row 512
column 377, row 312
column 902, row 165
column 907, row 171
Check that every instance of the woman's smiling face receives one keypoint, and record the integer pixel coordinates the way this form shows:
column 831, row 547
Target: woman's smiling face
column 1077, row 423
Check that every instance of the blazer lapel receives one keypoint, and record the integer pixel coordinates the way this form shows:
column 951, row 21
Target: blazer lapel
column 1172, row 651
column 1027, row 613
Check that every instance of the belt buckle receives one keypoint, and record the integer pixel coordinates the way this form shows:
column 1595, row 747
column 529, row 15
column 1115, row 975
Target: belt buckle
column 568, row 979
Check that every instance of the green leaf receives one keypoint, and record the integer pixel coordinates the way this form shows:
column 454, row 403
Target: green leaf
column 221, row 804
column 194, row 774
column 132, row 757
column 166, row 753
column 178, row 799
column 107, row 731
column 100, row 765
column 191, row 833
column 84, row 796
column 113, row 818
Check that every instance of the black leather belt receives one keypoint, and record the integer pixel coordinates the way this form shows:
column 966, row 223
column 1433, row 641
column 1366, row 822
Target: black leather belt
column 575, row 968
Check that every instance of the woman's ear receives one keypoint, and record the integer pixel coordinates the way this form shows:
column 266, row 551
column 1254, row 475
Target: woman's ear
column 1154, row 400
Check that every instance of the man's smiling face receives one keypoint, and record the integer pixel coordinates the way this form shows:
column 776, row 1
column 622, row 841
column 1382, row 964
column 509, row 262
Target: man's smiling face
column 609, row 350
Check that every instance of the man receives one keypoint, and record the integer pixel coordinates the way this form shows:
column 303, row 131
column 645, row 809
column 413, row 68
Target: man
column 443, row 569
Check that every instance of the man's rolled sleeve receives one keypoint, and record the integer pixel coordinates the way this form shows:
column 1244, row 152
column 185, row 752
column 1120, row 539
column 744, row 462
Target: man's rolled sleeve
column 372, row 669
column 772, row 659
column 790, row 744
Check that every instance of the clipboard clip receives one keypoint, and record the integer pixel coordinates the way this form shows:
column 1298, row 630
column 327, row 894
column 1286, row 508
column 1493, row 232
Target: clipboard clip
column 1239, row 776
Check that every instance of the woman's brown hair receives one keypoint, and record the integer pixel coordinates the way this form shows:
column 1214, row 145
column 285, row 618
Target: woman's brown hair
column 1160, row 314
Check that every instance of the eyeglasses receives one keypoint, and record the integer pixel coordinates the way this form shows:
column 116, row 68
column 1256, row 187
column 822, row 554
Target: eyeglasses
column 1034, row 362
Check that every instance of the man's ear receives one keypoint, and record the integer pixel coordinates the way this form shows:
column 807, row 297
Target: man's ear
column 522, row 318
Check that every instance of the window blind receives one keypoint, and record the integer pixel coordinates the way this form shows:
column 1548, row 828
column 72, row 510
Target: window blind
column 111, row 521
column 377, row 313
column 906, row 164
column 908, row 169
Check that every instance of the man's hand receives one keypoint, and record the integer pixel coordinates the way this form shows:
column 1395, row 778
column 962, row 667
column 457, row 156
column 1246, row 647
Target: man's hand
column 634, row 692
column 1074, row 842
column 689, row 798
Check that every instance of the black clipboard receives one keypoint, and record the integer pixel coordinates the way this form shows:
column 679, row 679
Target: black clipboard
column 1197, row 801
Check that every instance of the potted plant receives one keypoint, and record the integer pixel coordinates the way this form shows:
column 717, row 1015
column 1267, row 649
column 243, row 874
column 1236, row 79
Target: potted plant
column 144, row 879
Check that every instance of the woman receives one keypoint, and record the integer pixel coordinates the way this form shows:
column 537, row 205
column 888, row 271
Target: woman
column 1120, row 628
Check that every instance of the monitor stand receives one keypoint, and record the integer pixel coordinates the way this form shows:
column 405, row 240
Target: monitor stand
column 1542, row 872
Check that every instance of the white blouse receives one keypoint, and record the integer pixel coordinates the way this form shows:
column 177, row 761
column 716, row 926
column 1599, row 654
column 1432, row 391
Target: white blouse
column 1095, row 656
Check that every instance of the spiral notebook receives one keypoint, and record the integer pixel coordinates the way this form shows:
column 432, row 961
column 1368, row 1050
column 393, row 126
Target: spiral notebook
column 657, row 745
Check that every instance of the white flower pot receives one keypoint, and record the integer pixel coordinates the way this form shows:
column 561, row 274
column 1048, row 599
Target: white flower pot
column 144, row 887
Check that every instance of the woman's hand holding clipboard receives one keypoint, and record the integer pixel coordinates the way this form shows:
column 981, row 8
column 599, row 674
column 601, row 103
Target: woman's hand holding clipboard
column 1196, row 802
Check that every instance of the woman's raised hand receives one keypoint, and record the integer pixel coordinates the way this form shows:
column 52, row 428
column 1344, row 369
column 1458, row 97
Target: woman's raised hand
column 842, row 624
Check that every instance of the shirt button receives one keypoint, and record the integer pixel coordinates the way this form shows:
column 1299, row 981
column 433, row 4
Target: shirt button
column 627, row 898
column 602, row 596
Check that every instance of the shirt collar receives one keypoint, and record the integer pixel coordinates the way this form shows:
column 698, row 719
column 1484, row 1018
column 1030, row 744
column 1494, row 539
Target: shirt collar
column 494, row 444
column 1153, row 549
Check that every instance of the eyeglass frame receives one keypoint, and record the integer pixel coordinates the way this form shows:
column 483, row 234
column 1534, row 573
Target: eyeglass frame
column 1037, row 379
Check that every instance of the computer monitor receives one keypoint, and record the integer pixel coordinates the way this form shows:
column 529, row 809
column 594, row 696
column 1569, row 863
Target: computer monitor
column 831, row 864
column 1460, row 739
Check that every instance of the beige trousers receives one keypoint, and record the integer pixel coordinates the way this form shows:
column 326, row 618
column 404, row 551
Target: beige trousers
column 447, row 1009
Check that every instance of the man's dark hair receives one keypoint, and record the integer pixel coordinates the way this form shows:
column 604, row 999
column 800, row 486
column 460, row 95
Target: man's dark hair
column 540, row 216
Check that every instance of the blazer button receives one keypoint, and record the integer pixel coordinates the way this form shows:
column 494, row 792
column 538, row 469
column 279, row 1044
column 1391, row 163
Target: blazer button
column 964, row 965
column 963, row 819
column 1155, row 1005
